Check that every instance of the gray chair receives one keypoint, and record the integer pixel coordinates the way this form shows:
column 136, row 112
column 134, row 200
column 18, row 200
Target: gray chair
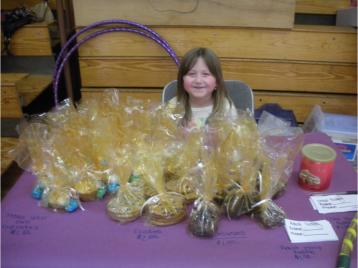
column 239, row 92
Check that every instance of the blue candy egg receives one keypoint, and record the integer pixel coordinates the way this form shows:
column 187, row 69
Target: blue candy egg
column 113, row 187
column 72, row 205
column 37, row 192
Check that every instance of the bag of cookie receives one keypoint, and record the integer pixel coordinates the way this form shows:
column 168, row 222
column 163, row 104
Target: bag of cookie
column 182, row 165
column 126, row 204
column 164, row 208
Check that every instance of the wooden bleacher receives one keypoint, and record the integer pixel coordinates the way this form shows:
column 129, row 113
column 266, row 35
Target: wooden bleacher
column 19, row 89
column 296, row 67
column 32, row 40
column 10, row 111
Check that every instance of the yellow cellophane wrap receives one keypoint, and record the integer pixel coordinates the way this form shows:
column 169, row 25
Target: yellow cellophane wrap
column 109, row 139
column 237, row 166
column 126, row 205
column 205, row 213
column 265, row 210
column 165, row 208
column 181, row 165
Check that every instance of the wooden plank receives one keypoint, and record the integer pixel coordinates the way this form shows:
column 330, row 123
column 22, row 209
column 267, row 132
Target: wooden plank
column 31, row 86
column 10, row 79
column 31, row 40
column 10, row 104
column 247, row 13
column 320, row 7
column 6, row 145
column 306, row 43
column 302, row 104
column 266, row 75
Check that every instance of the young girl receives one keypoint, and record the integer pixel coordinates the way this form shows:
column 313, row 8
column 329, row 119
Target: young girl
column 201, row 90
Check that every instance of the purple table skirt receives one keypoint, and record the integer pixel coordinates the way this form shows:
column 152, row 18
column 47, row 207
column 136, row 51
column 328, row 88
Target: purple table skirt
column 36, row 237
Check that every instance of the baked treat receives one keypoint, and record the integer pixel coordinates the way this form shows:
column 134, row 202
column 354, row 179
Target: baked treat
column 237, row 202
column 269, row 214
column 58, row 198
column 126, row 205
column 87, row 189
column 165, row 209
column 183, row 186
column 204, row 218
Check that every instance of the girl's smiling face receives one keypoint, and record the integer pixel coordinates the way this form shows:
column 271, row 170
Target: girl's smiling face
column 199, row 83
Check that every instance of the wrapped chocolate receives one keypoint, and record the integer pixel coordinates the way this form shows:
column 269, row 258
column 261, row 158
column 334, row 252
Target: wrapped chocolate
column 237, row 166
column 204, row 218
column 238, row 201
column 265, row 210
column 205, row 213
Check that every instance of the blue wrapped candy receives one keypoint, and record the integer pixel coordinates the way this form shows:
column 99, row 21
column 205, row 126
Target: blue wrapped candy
column 72, row 205
column 113, row 187
column 37, row 192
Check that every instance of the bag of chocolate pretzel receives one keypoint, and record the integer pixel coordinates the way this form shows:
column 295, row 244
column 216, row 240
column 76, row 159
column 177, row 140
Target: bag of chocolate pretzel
column 205, row 213
column 237, row 166
column 268, row 213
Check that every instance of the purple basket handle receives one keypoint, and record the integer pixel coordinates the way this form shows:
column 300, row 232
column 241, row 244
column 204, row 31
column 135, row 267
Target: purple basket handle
column 145, row 31
column 103, row 23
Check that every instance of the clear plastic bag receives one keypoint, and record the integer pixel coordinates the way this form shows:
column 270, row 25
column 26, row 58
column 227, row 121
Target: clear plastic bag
column 281, row 144
column 164, row 208
column 126, row 204
column 205, row 213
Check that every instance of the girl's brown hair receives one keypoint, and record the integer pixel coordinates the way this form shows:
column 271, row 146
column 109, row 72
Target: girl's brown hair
column 219, row 95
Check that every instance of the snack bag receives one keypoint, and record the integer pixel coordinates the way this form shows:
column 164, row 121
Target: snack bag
column 126, row 205
column 31, row 153
column 265, row 210
column 164, row 208
column 182, row 164
column 205, row 213
column 237, row 165
column 280, row 143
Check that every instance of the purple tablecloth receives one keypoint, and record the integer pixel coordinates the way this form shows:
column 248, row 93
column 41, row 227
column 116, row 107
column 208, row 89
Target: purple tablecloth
column 36, row 237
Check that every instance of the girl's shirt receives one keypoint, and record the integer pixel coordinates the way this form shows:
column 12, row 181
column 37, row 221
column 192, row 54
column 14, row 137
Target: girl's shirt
column 201, row 114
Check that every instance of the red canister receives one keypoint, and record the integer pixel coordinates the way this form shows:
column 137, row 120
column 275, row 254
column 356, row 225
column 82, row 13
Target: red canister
column 316, row 166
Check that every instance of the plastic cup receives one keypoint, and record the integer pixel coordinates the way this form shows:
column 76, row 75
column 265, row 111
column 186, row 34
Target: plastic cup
column 316, row 166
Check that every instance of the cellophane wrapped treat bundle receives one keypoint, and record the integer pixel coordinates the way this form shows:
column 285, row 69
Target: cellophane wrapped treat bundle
column 146, row 164
column 205, row 213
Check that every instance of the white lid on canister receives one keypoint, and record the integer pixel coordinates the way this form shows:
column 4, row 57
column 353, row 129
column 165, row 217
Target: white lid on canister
column 319, row 152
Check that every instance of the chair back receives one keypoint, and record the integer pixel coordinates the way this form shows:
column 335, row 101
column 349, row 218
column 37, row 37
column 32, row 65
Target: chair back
column 239, row 92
